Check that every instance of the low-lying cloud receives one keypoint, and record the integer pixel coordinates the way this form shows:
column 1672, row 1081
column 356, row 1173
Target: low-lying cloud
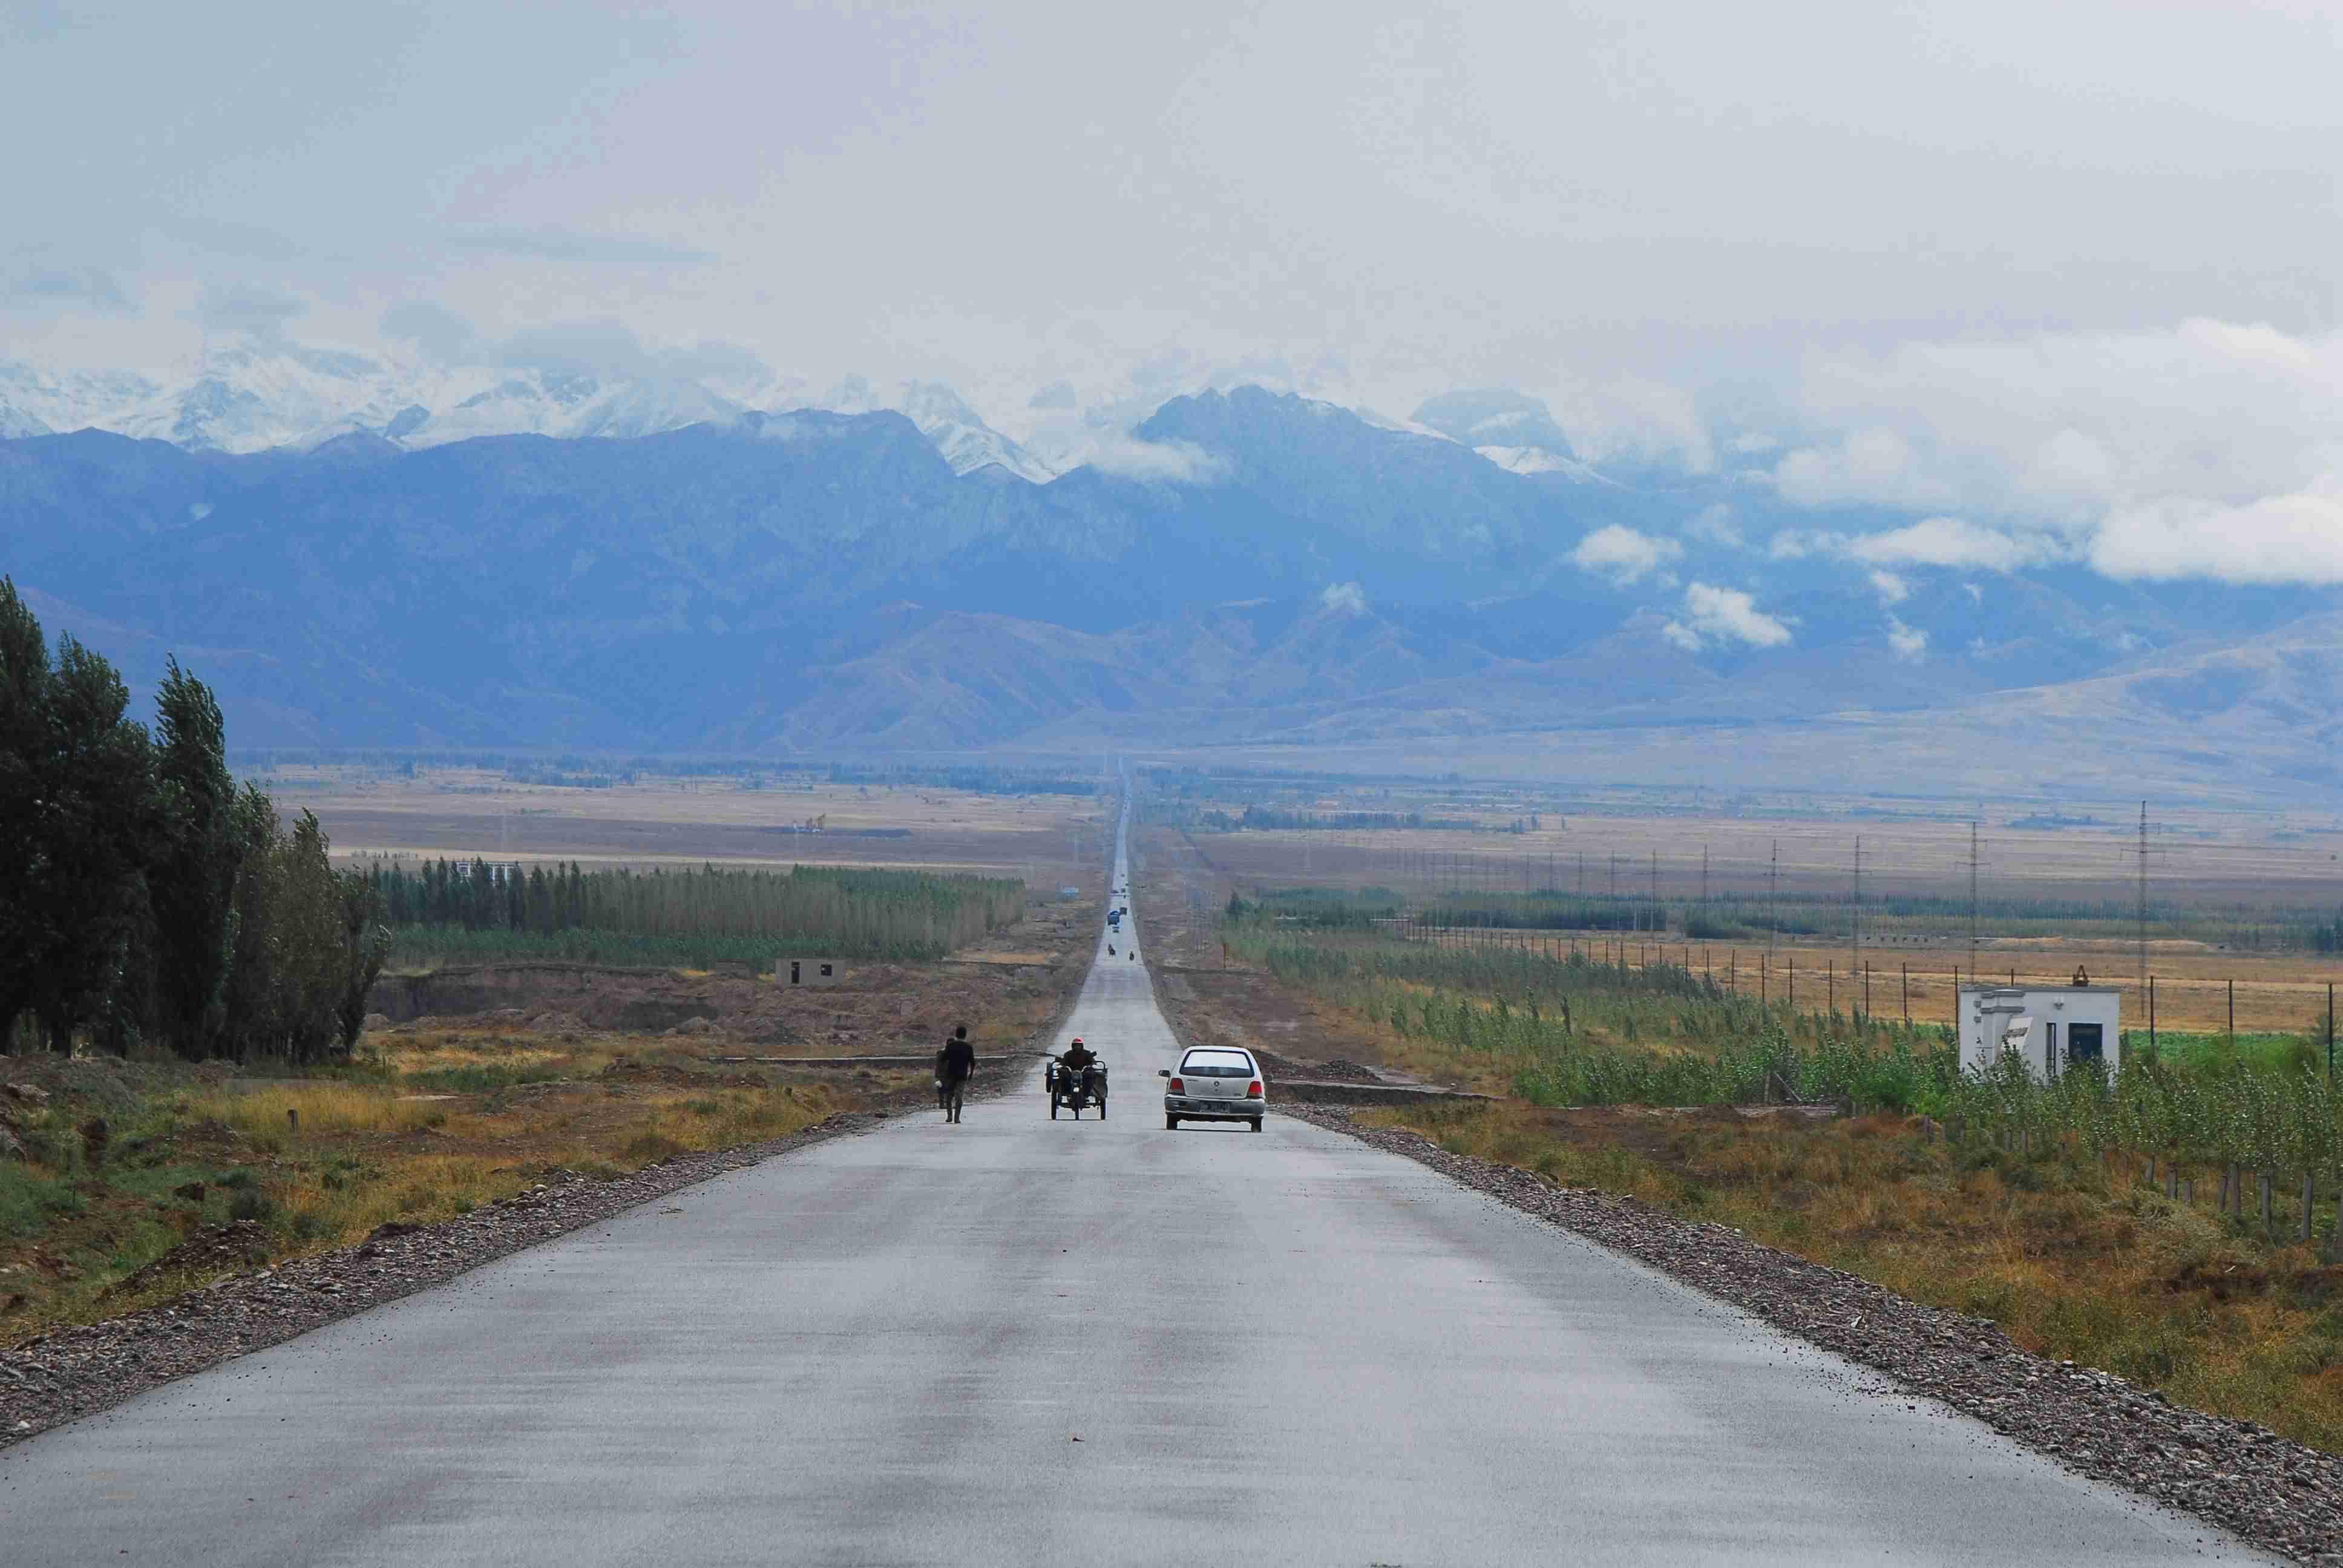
column 1930, row 542
column 2296, row 539
column 1720, row 616
column 246, row 307
column 1623, row 555
column 2208, row 449
column 1157, row 462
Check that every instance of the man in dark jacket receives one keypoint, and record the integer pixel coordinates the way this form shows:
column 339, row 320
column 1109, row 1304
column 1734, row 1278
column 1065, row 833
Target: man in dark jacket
column 954, row 1063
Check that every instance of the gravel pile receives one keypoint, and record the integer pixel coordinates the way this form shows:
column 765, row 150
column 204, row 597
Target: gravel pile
column 2278, row 1494
column 77, row 1371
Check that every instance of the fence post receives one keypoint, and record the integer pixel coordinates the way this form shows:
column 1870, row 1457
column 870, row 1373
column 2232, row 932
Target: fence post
column 2309, row 1199
column 2265, row 1184
column 2151, row 1015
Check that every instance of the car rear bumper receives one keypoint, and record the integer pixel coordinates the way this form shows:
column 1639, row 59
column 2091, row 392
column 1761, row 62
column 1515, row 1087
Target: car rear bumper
column 1212, row 1110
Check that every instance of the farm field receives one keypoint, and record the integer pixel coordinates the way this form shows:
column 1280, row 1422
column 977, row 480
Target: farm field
column 1047, row 841
column 2233, row 897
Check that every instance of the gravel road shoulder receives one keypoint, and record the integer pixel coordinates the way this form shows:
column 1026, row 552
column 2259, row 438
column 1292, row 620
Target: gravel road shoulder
column 2275, row 1494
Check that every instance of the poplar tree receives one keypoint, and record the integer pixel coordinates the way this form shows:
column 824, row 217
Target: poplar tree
column 192, row 884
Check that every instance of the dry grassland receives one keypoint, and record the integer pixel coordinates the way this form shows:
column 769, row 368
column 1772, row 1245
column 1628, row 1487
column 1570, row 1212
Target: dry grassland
column 2073, row 1260
column 450, row 1118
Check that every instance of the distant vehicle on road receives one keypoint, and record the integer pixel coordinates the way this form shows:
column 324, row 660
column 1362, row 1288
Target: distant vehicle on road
column 1214, row 1083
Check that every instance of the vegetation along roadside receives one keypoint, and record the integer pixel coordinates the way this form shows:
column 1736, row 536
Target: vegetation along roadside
column 2173, row 1223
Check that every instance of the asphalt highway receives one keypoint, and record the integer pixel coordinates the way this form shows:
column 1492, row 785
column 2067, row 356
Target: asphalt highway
column 1017, row 1340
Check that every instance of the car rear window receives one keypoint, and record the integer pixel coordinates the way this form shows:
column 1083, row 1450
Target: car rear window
column 1217, row 1065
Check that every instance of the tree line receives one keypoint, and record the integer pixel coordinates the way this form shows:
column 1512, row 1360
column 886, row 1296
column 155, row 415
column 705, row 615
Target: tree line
column 146, row 900
column 834, row 910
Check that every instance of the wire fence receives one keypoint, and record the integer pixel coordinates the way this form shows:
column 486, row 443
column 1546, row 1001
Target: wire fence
column 2183, row 1015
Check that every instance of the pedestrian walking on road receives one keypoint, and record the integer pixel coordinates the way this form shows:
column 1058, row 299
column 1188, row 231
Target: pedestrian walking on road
column 954, row 1063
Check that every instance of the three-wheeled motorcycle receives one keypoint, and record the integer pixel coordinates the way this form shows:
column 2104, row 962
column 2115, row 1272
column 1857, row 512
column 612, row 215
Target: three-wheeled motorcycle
column 1075, row 1089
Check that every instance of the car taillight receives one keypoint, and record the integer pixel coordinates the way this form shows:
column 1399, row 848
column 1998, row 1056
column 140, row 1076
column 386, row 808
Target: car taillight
column 1178, row 1087
column 1252, row 1089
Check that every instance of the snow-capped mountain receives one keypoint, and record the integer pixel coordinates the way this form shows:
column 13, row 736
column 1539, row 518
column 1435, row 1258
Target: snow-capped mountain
column 951, row 426
column 248, row 396
column 251, row 395
column 35, row 401
column 257, row 394
column 1511, row 429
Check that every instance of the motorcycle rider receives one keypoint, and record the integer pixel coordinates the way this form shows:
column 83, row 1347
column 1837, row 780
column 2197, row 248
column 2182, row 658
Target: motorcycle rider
column 954, row 1063
column 1077, row 1065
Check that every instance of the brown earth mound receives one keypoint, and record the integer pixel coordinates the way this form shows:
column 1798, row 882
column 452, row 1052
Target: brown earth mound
column 242, row 1244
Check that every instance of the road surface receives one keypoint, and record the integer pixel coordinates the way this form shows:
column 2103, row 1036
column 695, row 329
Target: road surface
column 1017, row 1341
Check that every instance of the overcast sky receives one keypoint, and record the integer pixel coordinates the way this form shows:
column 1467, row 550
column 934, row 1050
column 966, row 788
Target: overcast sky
column 1922, row 245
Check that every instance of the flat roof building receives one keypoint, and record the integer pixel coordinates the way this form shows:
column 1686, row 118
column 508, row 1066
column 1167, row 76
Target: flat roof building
column 2051, row 1028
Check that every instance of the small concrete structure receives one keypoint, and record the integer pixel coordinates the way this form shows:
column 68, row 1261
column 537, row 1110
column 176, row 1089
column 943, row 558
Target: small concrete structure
column 789, row 971
column 2050, row 1027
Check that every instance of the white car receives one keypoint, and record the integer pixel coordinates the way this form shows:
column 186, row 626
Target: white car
column 1214, row 1083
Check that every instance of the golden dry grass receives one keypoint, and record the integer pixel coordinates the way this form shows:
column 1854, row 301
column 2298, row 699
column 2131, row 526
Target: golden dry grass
column 2073, row 1260
column 352, row 1155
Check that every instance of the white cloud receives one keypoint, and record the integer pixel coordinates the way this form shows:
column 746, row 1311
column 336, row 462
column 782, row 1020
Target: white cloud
column 1891, row 588
column 1165, row 462
column 1724, row 615
column 1930, row 542
column 1623, row 555
column 1716, row 525
column 2209, row 449
column 2279, row 538
column 1634, row 419
column 1947, row 542
column 1344, row 599
column 1909, row 642
column 1873, row 464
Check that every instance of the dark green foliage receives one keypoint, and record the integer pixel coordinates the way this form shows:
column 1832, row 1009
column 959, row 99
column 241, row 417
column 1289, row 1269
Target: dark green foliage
column 145, row 896
column 192, row 885
column 76, row 808
column 447, row 909
column 308, row 945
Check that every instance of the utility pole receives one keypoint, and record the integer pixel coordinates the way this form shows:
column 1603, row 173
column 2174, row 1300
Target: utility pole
column 1854, row 913
column 1773, row 888
column 1972, row 912
column 1614, row 878
column 2143, row 895
column 1655, row 891
column 1704, row 876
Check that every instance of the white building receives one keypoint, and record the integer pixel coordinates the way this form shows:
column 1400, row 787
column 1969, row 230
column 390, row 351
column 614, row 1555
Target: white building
column 2049, row 1027
column 809, row 971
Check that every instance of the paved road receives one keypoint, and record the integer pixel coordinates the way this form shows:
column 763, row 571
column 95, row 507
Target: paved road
column 1016, row 1341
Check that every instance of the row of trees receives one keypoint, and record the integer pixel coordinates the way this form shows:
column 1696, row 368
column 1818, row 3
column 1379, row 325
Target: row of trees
column 850, row 912
column 145, row 898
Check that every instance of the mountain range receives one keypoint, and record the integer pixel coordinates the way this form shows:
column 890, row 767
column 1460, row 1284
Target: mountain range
column 551, row 560
column 255, row 395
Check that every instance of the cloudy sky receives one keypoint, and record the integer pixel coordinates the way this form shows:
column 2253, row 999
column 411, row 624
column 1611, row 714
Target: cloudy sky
column 2064, row 274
